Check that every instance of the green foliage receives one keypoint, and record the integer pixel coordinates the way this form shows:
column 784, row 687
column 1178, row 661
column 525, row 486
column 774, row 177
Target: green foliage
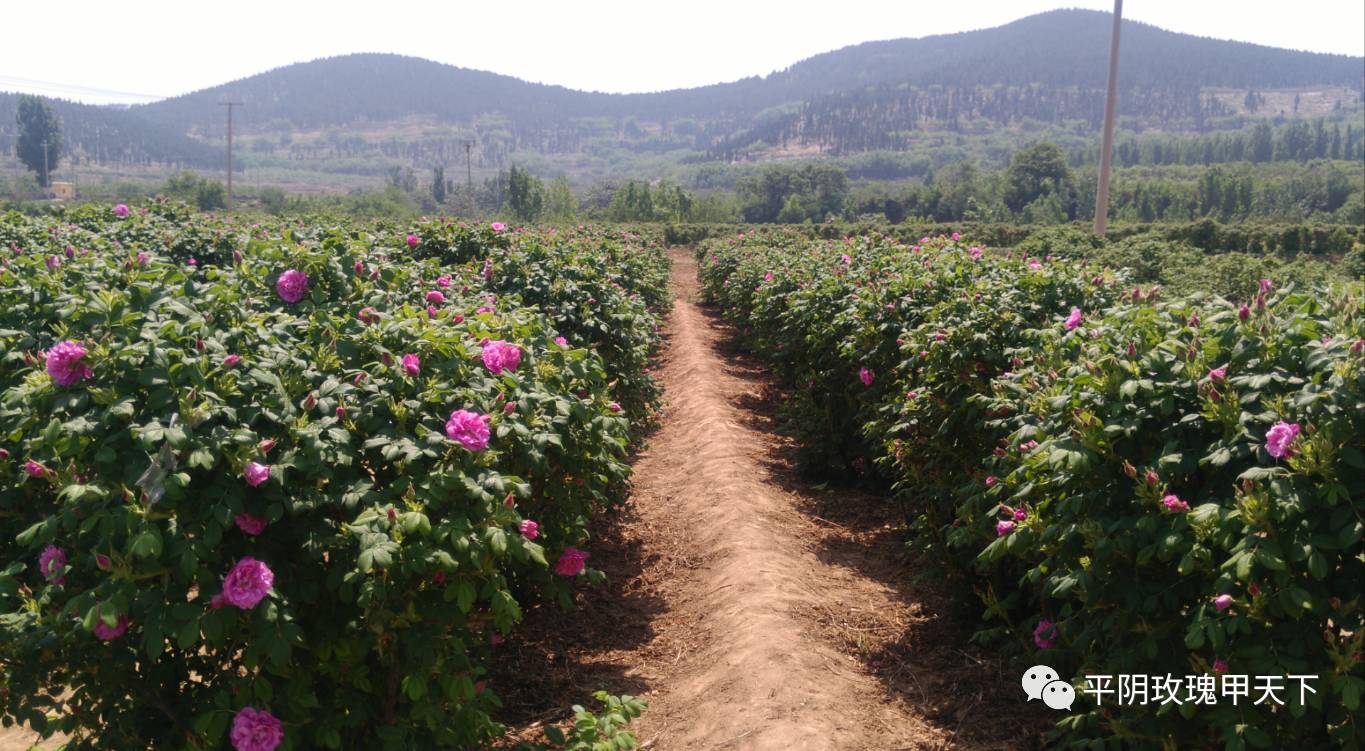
column 598, row 732
column 560, row 203
column 396, row 551
column 525, row 194
column 958, row 382
column 438, row 184
column 206, row 195
column 1130, row 583
column 791, row 194
column 39, row 145
column 1037, row 171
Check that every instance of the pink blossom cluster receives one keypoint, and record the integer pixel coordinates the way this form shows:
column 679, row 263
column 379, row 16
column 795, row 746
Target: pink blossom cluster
column 66, row 364
column 469, row 429
column 499, row 355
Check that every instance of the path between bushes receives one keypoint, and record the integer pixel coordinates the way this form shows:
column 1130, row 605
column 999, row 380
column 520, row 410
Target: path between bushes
column 749, row 609
column 752, row 611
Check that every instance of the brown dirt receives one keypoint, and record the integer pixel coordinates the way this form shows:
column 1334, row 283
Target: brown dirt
column 751, row 610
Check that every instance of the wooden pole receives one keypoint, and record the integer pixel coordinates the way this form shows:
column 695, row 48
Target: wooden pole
column 229, row 106
column 1107, row 148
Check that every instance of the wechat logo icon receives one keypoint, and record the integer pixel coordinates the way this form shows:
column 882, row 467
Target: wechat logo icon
column 1042, row 682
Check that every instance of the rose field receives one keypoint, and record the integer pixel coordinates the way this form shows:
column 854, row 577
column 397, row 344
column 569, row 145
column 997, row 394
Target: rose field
column 1125, row 480
column 297, row 484
column 286, row 482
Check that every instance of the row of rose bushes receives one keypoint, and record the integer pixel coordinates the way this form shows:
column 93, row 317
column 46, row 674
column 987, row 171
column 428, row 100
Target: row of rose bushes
column 294, row 494
column 1131, row 484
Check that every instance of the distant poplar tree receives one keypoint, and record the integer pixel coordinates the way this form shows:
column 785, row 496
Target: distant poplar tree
column 37, row 124
column 438, row 184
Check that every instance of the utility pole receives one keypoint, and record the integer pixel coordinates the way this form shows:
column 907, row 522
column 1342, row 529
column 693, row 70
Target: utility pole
column 229, row 105
column 469, row 177
column 1107, row 147
column 47, row 179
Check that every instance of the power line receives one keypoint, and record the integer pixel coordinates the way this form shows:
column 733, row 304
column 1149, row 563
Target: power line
column 51, row 86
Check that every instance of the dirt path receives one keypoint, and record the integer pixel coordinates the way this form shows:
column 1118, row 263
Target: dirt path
column 752, row 611
column 762, row 678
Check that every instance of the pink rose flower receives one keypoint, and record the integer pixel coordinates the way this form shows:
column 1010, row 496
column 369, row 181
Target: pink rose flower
column 256, row 730
column 469, row 429
column 1279, row 438
column 499, row 355
column 1173, row 503
column 561, row 341
column 498, row 226
column 412, row 364
column 1045, row 634
column 436, row 297
column 1003, row 528
column 66, row 364
column 252, row 525
column 1074, row 320
column 1220, row 666
column 247, row 583
column 50, row 564
column 34, row 469
column 105, row 633
column 613, row 406
column 865, row 376
column 443, row 281
column 571, row 563
column 529, row 529
column 121, row 210
column 1218, row 374
column 990, row 481
column 231, row 360
column 413, row 240
column 256, row 474
column 292, row 286
column 1222, row 602
column 1020, row 514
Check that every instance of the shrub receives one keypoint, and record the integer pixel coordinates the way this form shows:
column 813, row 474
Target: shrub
column 252, row 504
column 1153, row 487
column 1018, row 407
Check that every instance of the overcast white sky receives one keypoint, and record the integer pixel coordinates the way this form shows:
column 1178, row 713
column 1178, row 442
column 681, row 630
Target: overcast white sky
column 168, row 47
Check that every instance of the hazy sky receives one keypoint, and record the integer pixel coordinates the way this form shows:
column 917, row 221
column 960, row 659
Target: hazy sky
column 118, row 50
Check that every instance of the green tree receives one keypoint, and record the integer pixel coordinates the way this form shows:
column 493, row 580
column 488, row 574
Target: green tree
column 792, row 211
column 40, row 138
column 560, row 204
column 525, row 194
column 821, row 191
column 438, row 184
column 1034, row 171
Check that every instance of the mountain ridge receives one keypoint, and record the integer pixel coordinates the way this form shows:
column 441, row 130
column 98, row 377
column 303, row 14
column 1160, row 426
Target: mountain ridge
column 1046, row 69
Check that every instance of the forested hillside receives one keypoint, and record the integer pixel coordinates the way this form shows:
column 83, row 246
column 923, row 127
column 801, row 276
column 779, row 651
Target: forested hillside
column 1044, row 71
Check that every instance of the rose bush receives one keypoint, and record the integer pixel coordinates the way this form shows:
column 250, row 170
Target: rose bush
column 1130, row 484
column 232, row 511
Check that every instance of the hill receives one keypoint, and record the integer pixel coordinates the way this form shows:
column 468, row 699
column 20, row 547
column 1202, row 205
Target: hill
column 367, row 112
